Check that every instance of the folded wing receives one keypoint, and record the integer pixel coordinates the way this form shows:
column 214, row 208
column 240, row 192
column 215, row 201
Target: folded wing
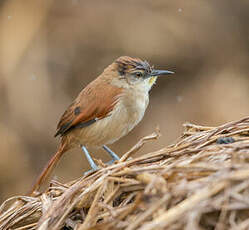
column 94, row 102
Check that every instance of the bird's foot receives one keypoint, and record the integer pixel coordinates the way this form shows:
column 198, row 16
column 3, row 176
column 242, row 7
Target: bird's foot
column 111, row 162
column 91, row 171
column 112, row 154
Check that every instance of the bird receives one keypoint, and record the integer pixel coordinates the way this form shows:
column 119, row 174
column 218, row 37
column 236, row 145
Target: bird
column 105, row 110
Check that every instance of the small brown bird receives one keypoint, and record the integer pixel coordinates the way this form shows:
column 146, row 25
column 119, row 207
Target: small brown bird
column 105, row 110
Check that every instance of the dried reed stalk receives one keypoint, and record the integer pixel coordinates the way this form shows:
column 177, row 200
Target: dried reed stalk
column 200, row 182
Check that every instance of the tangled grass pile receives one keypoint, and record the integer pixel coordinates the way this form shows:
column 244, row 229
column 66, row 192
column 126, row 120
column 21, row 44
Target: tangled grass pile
column 201, row 182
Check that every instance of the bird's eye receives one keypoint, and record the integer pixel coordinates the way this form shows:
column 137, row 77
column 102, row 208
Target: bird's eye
column 139, row 74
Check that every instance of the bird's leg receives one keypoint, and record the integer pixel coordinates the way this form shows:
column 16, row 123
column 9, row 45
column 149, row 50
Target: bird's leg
column 112, row 154
column 89, row 158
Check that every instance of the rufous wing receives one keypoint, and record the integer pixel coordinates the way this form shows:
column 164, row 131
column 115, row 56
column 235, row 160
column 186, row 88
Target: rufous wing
column 94, row 102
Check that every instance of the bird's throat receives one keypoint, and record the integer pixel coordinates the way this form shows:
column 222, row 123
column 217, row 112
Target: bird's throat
column 152, row 80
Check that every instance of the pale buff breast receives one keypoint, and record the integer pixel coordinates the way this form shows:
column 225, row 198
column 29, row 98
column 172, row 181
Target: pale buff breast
column 127, row 113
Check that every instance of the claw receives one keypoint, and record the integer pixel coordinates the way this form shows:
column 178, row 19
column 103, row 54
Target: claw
column 91, row 171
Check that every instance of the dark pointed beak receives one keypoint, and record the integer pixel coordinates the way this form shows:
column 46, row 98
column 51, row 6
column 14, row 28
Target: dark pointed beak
column 160, row 72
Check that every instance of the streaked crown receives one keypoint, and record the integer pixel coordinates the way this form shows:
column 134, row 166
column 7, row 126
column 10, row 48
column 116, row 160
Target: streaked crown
column 128, row 64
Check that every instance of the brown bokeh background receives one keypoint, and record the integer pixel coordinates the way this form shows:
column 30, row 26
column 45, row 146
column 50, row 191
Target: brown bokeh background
column 50, row 50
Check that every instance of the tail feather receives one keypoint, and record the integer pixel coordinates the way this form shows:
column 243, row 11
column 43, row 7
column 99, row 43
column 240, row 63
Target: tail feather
column 48, row 169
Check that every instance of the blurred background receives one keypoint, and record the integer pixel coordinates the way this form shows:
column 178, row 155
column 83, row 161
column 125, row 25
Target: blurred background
column 51, row 49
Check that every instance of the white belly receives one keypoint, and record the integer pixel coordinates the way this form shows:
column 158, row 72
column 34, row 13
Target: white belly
column 127, row 113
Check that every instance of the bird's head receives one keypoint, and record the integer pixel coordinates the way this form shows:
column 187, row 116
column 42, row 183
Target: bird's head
column 135, row 72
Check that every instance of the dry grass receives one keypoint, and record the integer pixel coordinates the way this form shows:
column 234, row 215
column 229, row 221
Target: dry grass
column 196, row 183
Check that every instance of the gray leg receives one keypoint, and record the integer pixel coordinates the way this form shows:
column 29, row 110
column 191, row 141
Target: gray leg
column 112, row 154
column 89, row 158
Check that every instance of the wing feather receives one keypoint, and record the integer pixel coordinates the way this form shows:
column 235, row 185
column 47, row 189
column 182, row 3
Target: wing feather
column 94, row 102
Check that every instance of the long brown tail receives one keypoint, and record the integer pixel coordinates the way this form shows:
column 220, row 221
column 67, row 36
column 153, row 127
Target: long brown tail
column 48, row 169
